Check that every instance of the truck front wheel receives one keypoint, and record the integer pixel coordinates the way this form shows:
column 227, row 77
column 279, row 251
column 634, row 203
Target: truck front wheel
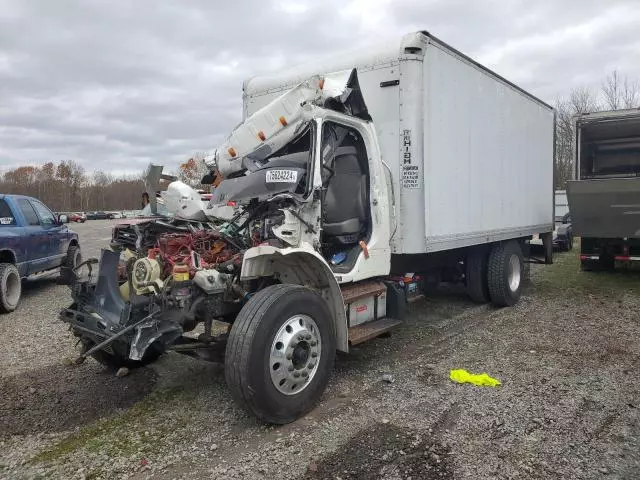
column 10, row 287
column 505, row 272
column 280, row 353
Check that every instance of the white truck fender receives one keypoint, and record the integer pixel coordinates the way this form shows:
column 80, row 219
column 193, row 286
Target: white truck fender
column 301, row 266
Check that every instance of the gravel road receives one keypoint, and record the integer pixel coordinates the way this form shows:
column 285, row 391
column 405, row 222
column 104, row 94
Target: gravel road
column 567, row 356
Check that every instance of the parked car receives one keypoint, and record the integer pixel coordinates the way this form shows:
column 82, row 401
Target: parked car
column 32, row 240
column 562, row 234
column 99, row 216
column 77, row 217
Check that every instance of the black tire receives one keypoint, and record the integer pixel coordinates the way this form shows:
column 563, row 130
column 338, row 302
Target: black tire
column 570, row 243
column 476, row 276
column 248, row 368
column 10, row 287
column 504, row 259
column 74, row 257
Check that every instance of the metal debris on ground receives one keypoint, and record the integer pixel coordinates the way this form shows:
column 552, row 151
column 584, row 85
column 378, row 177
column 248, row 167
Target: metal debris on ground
column 122, row 372
column 387, row 378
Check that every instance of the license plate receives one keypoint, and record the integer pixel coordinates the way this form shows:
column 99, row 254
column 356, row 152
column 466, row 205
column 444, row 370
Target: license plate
column 282, row 176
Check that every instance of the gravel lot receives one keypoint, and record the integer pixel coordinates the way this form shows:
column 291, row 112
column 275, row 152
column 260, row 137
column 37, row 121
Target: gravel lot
column 567, row 356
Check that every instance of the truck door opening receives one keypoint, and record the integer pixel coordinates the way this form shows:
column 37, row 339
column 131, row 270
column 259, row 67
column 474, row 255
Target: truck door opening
column 345, row 206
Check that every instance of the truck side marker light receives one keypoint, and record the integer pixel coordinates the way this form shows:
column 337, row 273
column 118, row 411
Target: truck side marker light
column 232, row 151
column 261, row 135
column 283, row 121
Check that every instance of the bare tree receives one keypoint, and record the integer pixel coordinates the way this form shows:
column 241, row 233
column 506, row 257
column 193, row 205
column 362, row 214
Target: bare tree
column 581, row 100
column 620, row 92
column 102, row 180
column 611, row 91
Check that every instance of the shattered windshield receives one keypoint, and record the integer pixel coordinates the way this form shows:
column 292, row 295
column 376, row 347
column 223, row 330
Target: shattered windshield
column 295, row 153
column 286, row 171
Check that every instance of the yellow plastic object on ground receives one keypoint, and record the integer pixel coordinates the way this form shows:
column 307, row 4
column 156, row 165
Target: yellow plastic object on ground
column 480, row 380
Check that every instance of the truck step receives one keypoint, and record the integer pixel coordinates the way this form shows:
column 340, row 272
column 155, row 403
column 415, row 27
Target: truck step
column 367, row 331
column 357, row 291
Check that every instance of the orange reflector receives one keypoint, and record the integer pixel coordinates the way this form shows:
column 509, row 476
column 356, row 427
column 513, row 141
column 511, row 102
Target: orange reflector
column 232, row 151
column 231, row 203
column 321, row 84
column 364, row 248
column 261, row 135
column 283, row 121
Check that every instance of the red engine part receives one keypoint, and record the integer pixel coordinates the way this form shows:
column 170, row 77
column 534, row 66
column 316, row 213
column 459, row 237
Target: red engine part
column 179, row 248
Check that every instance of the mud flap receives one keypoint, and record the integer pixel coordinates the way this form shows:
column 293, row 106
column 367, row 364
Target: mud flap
column 547, row 243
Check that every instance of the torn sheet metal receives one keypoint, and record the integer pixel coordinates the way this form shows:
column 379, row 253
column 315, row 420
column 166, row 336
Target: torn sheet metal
column 278, row 123
column 271, row 127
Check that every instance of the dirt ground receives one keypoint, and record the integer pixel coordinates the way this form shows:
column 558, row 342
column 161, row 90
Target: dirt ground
column 567, row 356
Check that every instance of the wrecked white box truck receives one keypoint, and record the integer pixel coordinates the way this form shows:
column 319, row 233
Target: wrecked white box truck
column 349, row 173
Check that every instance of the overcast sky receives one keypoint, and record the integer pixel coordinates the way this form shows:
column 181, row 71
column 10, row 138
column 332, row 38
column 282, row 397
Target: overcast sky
column 115, row 84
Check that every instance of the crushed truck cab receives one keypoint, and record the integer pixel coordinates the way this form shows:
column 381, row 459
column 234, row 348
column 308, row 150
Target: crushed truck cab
column 354, row 182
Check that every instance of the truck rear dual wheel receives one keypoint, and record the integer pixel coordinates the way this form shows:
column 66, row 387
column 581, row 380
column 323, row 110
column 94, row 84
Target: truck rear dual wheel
column 280, row 353
column 10, row 287
column 505, row 273
column 476, row 275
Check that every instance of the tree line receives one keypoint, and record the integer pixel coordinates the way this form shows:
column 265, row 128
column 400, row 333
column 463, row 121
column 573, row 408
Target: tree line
column 66, row 187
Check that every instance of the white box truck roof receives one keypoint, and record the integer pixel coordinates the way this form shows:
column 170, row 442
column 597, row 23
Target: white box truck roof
column 470, row 153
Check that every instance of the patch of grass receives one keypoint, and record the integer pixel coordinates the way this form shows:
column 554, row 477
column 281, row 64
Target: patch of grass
column 124, row 434
column 565, row 277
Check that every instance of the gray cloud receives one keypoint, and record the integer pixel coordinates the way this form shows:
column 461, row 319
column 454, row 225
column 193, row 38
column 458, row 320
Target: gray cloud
column 115, row 85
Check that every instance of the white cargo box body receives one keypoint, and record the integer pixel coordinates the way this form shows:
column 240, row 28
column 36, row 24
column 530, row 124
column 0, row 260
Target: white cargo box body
column 471, row 154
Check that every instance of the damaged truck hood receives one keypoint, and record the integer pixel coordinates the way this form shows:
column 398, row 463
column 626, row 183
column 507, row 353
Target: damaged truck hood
column 275, row 125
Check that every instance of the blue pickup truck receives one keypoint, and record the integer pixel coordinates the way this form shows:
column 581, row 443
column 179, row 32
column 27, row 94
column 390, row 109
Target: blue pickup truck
column 32, row 240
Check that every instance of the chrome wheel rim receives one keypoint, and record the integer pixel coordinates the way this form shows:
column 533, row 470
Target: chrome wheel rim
column 514, row 273
column 295, row 354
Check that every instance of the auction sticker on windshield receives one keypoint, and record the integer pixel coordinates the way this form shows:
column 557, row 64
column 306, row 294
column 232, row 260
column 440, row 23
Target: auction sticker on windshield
column 282, row 176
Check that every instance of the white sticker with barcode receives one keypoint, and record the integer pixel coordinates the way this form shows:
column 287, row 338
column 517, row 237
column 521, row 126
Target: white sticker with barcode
column 282, row 176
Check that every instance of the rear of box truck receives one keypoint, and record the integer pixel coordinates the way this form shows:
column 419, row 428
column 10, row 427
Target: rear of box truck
column 605, row 199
